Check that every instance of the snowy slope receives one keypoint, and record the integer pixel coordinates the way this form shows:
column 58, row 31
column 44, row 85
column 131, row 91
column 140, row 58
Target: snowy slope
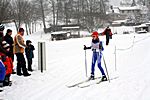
column 65, row 65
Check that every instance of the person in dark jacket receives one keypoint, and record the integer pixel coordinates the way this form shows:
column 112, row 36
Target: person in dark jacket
column 10, row 41
column 29, row 54
column 108, row 34
column 2, row 50
column 97, row 49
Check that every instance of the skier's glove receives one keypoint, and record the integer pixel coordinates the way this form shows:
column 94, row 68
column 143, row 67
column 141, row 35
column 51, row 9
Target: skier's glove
column 85, row 47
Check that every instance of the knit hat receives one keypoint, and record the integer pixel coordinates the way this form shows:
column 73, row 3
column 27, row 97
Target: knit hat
column 2, row 27
column 27, row 42
column 95, row 33
column 5, row 45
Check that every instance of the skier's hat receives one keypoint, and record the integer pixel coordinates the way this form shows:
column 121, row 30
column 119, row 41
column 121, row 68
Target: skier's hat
column 95, row 33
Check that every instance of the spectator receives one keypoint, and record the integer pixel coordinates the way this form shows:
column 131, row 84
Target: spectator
column 10, row 41
column 29, row 54
column 19, row 52
column 5, row 57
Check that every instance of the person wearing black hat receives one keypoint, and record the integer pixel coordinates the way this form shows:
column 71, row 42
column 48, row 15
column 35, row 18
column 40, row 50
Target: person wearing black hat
column 29, row 54
column 18, row 50
column 10, row 41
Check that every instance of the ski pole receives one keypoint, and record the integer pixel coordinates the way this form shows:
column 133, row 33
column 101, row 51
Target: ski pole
column 106, row 68
column 85, row 64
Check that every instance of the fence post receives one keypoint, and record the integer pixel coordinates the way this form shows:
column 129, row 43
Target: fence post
column 115, row 58
column 41, row 56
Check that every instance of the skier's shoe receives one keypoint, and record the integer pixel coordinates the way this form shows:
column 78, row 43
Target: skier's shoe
column 104, row 78
column 91, row 77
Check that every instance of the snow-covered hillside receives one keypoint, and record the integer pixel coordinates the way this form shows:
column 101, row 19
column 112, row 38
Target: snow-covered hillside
column 65, row 66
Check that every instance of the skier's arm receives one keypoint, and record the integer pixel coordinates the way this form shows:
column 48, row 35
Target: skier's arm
column 104, row 33
column 101, row 46
column 86, row 47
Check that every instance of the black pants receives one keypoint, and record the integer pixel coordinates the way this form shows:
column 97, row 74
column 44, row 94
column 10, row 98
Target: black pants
column 107, row 41
column 6, row 80
column 21, row 64
column 29, row 63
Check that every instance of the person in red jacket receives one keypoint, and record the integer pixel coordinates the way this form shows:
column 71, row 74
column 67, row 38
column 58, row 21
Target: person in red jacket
column 5, row 56
column 108, row 34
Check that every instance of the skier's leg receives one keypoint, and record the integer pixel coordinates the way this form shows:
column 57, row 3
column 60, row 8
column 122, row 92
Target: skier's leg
column 99, row 65
column 94, row 58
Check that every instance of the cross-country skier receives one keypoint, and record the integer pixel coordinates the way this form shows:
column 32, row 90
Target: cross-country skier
column 97, row 49
column 108, row 34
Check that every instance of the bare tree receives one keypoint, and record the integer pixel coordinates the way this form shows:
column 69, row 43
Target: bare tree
column 5, row 12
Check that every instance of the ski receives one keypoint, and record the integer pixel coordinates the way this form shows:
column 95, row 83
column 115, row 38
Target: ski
column 76, row 84
column 94, row 83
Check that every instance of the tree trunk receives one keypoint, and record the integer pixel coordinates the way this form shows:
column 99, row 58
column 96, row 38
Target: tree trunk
column 26, row 28
column 43, row 16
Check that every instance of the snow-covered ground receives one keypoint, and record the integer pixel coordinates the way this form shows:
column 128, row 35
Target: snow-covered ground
column 65, row 65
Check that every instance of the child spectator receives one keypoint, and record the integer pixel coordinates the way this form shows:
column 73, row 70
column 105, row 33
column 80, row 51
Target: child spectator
column 29, row 54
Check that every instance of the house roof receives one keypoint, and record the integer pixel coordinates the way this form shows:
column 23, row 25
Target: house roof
column 60, row 32
column 129, row 8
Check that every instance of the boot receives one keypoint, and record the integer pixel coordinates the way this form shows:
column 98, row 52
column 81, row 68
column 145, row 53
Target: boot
column 30, row 70
column 91, row 77
column 26, row 74
column 104, row 78
column 1, row 83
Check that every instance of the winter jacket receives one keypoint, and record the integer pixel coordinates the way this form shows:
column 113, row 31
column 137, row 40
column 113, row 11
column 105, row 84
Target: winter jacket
column 96, row 45
column 10, row 41
column 29, row 51
column 18, row 44
column 2, row 50
column 8, row 65
column 7, row 61
column 107, row 32
column 2, row 71
column 3, row 47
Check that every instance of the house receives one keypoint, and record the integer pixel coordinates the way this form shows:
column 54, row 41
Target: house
column 133, row 14
column 60, row 35
column 143, row 28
